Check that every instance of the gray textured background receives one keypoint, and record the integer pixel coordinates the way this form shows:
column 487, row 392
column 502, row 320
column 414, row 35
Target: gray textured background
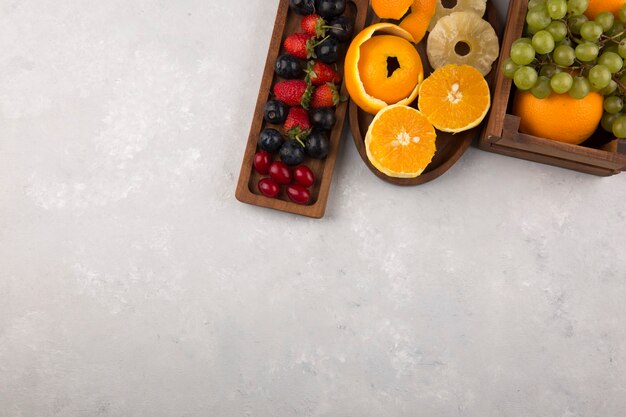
column 133, row 284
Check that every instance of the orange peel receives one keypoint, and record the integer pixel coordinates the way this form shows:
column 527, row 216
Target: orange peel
column 412, row 63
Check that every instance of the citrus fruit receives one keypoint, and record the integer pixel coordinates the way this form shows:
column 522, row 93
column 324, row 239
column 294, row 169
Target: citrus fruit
column 374, row 67
column 597, row 6
column 391, row 9
column 416, row 22
column 380, row 72
column 558, row 117
column 455, row 98
column 477, row 7
column 400, row 142
column 463, row 38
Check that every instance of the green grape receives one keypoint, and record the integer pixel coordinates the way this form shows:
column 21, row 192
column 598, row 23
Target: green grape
column 509, row 67
column 607, row 121
column 558, row 30
column 591, row 31
column 564, row 55
column 561, row 82
column 557, row 9
column 606, row 20
column 622, row 13
column 609, row 89
column 522, row 53
column 542, row 88
column 543, row 42
column 577, row 7
column 580, row 88
column 567, row 42
column 521, row 40
column 621, row 48
column 599, row 76
column 536, row 3
column 618, row 27
column 525, row 78
column 613, row 104
column 619, row 125
column 538, row 19
column 549, row 70
column 587, row 51
column 612, row 61
column 575, row 23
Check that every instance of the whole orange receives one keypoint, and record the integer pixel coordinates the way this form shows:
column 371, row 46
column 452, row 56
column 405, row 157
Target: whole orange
column 597, row 6
column 558, row 116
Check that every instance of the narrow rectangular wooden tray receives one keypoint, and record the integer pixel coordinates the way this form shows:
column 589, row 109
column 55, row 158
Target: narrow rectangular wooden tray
column 287, row 23
column 598, row 156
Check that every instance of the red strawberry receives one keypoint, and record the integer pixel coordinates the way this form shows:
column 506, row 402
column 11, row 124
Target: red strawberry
column 325, row 96
column 320, row 74
column 300, row 45
column 293, row 92
column 313, row 25
column 297, row 121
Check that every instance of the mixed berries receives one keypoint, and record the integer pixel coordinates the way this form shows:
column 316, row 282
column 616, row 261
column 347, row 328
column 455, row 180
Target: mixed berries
column 301, row 110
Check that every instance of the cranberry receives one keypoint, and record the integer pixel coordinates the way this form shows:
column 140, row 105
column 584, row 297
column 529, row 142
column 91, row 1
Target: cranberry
column 268, row 188
column 262, row 162
column 280, row 173
column 298, row 194
column 304, row 176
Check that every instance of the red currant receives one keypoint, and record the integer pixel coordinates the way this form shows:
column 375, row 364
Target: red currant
column 262, row 162
column 298, row 194
column 280, row 173
column 268, row 188
column 304, row 176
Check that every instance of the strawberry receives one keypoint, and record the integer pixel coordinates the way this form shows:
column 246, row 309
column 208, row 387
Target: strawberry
column 293, row 92
column 325, row 96
column 313, row 25
column 319, row 74
column 300, row 45
column 297, row 122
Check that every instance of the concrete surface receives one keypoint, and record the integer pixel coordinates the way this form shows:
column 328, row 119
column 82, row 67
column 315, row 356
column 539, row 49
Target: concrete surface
column 133, row 284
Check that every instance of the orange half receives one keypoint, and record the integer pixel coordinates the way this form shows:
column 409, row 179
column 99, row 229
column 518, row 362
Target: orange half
column 455, row 98
column 400, row 142
column 381, row 84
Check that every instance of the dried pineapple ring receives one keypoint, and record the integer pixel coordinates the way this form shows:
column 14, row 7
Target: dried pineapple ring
column 445, row 43
column 475, row 6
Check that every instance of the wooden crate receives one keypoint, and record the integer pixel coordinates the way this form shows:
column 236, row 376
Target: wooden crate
column 598, row 156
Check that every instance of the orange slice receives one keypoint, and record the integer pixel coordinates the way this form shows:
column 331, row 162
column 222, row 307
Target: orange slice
column 416, row 22
column 400, row 142
column 380, row 72
column 391, row 9
column 455, row 98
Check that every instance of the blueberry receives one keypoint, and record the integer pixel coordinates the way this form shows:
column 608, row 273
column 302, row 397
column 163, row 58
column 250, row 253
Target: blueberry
column 317, row 145
column 292, row 153
column 323, row 118
column 341, row 29
column 302, row 7
column 328, row 51
column 288, row 67
column 275, row 112
column 330, row 8
column 271, row 140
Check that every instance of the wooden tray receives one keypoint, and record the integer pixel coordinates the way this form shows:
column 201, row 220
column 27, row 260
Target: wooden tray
column 287, row 23
column 598, row 156
column 449, row 147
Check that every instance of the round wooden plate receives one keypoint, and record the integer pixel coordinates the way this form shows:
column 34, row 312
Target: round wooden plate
column 449, row 147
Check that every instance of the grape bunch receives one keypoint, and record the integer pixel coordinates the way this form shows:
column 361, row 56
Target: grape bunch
column 562, row 51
